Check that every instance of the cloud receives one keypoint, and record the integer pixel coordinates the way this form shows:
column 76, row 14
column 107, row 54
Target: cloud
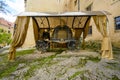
column 14, row 7
column 17, row 5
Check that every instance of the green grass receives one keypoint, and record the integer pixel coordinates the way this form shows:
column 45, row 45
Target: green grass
column 41, row 62
column 116, row 50
column 24, row 52
column 75, row 75
column 113, row 66
column 45, row 61
column 93, row 45
column 115, row 78
column 8, row 67
column 94, row 59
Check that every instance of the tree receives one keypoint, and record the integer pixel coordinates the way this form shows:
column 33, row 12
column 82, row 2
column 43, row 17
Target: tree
column 5, row 38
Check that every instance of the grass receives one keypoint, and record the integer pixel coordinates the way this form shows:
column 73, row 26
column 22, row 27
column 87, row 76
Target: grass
column 42, row 62
column 115, row 78
column 8, row 67
column 93, row 45
column 113, row 66
column 8, row 70
column 75, row 75
column 116, row 44
column 94, row 59
column 116, row 50
column 24, row 52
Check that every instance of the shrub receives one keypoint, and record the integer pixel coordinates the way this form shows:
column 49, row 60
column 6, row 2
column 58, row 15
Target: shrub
column 93, row 45
column 5, row 38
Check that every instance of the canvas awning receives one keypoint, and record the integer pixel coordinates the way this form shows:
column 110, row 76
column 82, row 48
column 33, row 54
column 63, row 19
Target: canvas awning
column 47, row 14
column 99, row 17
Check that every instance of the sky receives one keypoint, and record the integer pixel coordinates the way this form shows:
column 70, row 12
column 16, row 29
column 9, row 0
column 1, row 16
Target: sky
column 15, row 7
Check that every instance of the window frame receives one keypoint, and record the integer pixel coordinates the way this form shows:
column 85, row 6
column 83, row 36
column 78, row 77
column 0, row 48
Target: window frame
column 90, row 30
column 117, row 27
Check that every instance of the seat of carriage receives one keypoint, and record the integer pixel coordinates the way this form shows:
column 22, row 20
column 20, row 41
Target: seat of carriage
column 62, row 35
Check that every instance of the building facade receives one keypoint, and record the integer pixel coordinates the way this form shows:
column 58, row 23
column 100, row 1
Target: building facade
column 113, row 7
column 7, row 26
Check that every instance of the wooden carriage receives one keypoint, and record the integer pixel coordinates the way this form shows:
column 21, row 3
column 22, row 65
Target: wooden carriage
column 65, row 30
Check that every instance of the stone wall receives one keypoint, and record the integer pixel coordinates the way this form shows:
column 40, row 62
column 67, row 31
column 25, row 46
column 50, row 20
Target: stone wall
column 112, row 6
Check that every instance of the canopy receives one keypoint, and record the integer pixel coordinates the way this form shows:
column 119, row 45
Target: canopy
column 47, row 14
column 75, row 20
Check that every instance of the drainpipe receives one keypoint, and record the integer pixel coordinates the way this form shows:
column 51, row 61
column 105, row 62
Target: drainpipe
column 59, row 6
column 78, row 5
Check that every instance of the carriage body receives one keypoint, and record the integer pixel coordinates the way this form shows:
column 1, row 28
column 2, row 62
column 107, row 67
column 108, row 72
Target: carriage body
column 62, row 36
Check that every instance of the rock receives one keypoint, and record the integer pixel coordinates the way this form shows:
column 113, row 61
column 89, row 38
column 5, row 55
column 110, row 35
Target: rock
column 21, row 66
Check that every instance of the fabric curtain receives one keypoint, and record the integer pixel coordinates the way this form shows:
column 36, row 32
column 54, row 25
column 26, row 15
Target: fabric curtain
column 85, row 32
column 86, row 29
column 35, row 28
column 106, row 47
column 19, row 35
column 78, row 33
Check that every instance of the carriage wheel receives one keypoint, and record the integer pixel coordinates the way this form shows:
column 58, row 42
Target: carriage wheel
column 42, row 46
column 71, row 45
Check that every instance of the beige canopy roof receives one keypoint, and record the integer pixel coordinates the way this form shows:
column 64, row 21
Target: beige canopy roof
column 47, row 14
column 73, row 18
column 99, row 17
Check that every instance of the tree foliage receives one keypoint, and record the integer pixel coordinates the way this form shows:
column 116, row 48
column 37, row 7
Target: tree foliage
column 5, row 38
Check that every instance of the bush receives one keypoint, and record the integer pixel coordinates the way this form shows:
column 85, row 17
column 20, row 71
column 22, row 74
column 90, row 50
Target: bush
column 5, row 38
column 93, row 45
column 116, row 44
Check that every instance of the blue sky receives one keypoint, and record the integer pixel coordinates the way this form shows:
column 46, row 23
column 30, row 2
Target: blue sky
column 14, row 7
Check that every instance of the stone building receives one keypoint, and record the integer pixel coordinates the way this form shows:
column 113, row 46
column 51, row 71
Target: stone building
column 58, row 6
column 112, row 6
column 6, row 26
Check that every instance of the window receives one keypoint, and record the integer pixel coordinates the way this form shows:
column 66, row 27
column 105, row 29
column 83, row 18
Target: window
column 117, row 23
column 90, row 30
column 8, row 31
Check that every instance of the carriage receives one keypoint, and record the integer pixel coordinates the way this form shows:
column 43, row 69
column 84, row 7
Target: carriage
column 64, row 30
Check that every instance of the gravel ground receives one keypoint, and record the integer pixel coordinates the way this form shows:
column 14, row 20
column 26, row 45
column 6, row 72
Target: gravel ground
column 69, row 65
